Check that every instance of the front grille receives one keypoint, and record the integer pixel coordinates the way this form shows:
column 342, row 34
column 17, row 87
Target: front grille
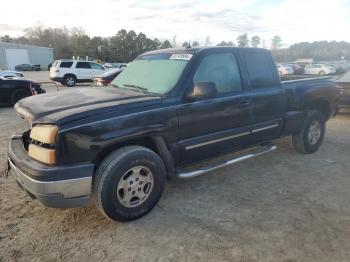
column 26, row 139
column 38, row 143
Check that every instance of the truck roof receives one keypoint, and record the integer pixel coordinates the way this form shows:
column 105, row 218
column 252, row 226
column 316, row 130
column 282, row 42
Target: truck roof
column 194, row 50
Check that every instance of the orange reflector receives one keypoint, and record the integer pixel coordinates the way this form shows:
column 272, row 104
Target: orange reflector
column 44, row 134
column 42, row 154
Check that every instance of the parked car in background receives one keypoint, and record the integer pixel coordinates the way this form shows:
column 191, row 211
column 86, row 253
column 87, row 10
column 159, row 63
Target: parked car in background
column 344, row 91
column 120, row 65
column 297, row 69
column 27, row 67
column 13, row 90
column 69, row 72
column 284, row 69
column 106, row 78
column 341, row 67
column 319, row 69
column 167, row 111
column 8, row 73
column 108, row 65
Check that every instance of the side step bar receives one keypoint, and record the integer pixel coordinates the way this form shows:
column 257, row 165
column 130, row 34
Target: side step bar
column 263, row 149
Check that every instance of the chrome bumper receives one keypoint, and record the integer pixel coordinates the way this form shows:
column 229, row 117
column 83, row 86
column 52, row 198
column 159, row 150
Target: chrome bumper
column 60, row 194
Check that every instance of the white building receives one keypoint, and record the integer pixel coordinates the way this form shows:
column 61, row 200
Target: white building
column 12, row 54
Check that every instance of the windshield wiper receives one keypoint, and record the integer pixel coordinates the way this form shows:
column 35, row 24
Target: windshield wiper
column 115, row 85
column 137, row 87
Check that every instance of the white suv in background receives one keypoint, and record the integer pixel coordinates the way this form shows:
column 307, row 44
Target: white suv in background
column 319, row 69
column 69, row 71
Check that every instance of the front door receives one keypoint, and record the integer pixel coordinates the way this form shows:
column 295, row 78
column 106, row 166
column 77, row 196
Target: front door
column 83, row 70
column 216, row 126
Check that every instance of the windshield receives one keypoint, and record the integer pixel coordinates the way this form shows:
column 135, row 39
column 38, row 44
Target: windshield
column 153, row 73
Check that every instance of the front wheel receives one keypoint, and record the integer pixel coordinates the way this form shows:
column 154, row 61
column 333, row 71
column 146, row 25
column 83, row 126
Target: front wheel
column 129, row 183
column 310, row 138
column 322, row 73
column 19, row 94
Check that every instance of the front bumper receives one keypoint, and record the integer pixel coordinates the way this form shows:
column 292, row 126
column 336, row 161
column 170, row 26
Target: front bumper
column 59, row 187
column 56, row 79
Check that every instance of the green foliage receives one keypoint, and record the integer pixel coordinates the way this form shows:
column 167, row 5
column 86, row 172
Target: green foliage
column 224, row 43
column 195, row 43
column 243, row 40
column 255, row 41
column 322, row 50
column 165, row 44
column 276, row 42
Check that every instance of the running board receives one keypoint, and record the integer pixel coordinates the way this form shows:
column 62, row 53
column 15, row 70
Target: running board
column 194, row 172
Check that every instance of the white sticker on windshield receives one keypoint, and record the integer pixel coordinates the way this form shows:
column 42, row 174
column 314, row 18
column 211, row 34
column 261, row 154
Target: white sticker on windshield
column 181, row 56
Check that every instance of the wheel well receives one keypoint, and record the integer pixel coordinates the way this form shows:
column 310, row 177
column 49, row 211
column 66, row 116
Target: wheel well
column 147, row 142
column 157, row 144
column 70, row 75
column 320, row 105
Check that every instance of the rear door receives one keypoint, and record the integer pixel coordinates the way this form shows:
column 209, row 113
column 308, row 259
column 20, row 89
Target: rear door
column 266, row 95
column 216, row 126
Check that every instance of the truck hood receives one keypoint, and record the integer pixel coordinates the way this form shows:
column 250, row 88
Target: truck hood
column 75, row 104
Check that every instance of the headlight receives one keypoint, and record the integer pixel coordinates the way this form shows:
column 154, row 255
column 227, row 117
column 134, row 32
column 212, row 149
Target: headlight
column 42, row 145
column 44, row 134
column 42, row 154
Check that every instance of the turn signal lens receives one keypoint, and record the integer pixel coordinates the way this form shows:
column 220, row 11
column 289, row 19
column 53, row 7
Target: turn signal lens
column 42, row 154
column 44, row 134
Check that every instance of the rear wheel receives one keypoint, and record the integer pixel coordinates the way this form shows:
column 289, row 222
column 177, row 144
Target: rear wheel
column 69, row 80
column 128, row 183
column 19, row 94
column 310, row 138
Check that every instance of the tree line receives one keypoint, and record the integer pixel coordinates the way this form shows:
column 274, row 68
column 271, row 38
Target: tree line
column 122, row 47
column 126, row 45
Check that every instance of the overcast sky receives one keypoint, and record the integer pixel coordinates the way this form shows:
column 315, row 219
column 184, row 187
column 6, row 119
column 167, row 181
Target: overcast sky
column 293, row 20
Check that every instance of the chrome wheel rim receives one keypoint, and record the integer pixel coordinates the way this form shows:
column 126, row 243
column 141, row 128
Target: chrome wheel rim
column 314, row 132
column 135, row 186
column 70, row 81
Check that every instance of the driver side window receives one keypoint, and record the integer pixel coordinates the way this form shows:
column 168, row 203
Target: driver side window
column 221, row 69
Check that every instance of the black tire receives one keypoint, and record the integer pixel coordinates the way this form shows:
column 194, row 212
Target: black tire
column 111, row 173
column 69, row 80
column 301, row 141
column 19, row 94
column 322, row 73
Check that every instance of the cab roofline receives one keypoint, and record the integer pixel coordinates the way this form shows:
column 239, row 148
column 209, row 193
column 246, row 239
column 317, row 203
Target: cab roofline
column 194, row 50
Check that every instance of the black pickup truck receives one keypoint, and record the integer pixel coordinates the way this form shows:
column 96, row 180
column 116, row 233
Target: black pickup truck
column 175, row 113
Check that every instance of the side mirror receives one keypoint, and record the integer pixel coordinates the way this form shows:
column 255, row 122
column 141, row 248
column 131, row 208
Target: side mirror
column 202, row 90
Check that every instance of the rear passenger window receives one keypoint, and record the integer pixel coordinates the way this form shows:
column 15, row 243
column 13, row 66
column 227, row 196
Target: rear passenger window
column 83, row 65
column 260, row 70
column 66, row 64
column 221, row 69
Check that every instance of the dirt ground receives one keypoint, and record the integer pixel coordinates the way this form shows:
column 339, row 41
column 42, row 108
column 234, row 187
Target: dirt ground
column 282, row 206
